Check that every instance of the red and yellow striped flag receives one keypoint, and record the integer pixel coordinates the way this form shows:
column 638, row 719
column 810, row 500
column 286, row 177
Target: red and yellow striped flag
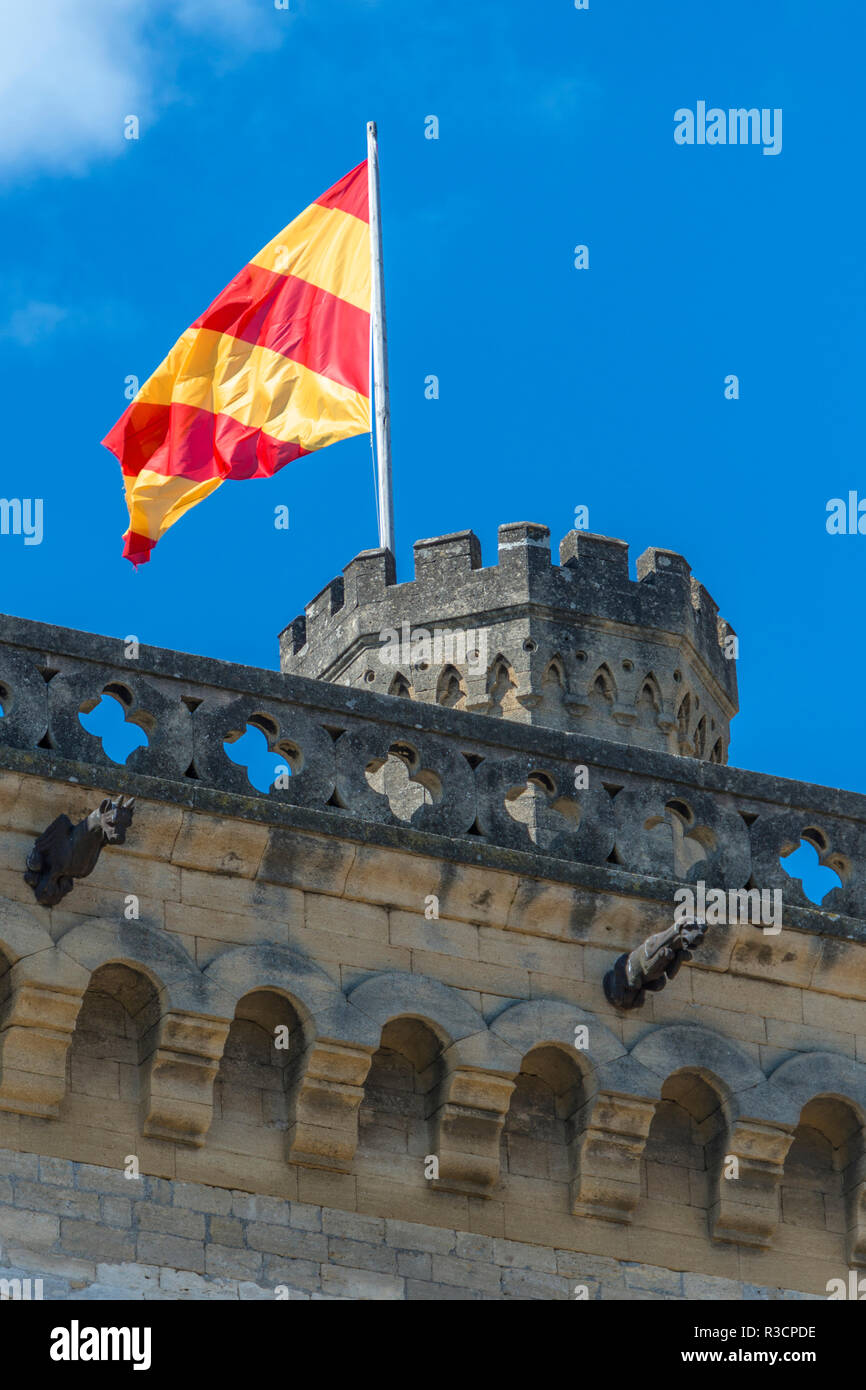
column 277, row 366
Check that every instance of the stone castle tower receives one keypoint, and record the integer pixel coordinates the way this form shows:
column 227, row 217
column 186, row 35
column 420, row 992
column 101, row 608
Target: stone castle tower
column 352, row 1037
column 577, row 645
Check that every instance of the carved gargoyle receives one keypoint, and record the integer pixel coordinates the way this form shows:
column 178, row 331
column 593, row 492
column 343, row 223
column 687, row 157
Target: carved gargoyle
column 65, row 852
column 652, row 964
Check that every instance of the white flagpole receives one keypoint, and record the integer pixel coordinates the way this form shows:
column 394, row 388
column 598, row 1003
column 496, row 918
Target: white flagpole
column 379, row 339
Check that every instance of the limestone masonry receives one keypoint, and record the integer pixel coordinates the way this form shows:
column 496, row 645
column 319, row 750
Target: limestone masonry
column 577, row 645
column 348, row 1038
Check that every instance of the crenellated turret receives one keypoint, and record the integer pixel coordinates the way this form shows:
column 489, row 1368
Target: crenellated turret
column 579, row 645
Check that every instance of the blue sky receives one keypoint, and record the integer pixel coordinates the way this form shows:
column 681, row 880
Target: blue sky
column 558, row 387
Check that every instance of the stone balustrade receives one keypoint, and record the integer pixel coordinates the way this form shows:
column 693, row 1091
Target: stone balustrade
column 379, row 768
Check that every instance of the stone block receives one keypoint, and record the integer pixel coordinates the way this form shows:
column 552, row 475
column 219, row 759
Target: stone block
column 305, row 1217
column 281, row 1240
column 422, row 1291
column 156, row 1248
column 362, row 1255
column 412, row 1264
column 443, row 937
column 533, row 1284
column 32, row 1230
column 18, row 1165
column 209, row 844
column 352, row 1226
column 91, row 1177
column 711, row 1288
column 274, row 1211
column 407, row 1235
column 226, row 1230
column 185, row 1283
column 62, row 1201
column 514, row 1254
column 56, row 1170
column 138, row 1278
column 300, row 1274
column 362, row 1284
column 115, row 1211
column 474, row 1247
column 98, row 1242
column 470, row 1274
column 226, row 1261
column 665, row 1281
column 346, row 917
column 196, row 1197
column 170, row 1221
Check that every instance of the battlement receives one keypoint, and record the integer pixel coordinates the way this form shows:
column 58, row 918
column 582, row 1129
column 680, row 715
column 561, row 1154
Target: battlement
column 574, row 644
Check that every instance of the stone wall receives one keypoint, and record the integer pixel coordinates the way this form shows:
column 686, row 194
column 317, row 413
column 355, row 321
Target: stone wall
column 430, row 969
column 91, row 1233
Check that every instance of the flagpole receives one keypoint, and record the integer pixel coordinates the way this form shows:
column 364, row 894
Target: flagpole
column 379, row 339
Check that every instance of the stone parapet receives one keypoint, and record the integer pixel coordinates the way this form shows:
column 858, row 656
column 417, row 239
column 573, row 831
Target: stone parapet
column 366, row 766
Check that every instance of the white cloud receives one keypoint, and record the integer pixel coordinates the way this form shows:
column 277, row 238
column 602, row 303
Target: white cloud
column 33, row 322
column 28, row 321
column 71, row 70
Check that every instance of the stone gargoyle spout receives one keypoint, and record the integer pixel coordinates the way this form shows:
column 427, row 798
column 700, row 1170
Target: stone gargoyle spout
column 652, row 964
column 65, row 852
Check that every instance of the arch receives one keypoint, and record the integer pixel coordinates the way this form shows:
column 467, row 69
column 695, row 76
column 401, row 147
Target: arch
column 532, row 1023
column 821, row 1186
column 684, row 719
column 650, row 691
column 540, row 1132
column 717, row 1061
column 169, row 966
column 648, row 700
column 553, row 692
column 450, row 688
column 262, row 1054
column 554, row 674
column 401, row 1096
column 811, row 1075
column 602, row 687
column 501, row 686
column 701, row 737
column 318, row 1001
column 401, row 686
column 399, row 994
column 685, row 1147
column 113, row 1043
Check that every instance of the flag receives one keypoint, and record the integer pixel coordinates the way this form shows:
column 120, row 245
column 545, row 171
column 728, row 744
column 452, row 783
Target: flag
column 278, row 366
